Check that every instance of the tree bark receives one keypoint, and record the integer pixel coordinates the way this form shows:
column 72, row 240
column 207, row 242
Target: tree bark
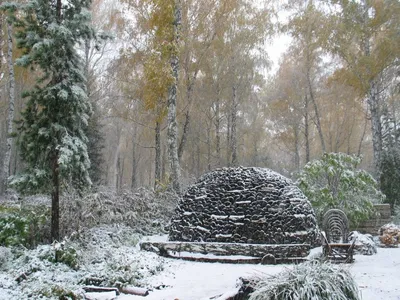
column 157, row 167
column 296, row 148
column 233, row 129
column 185, row 132
column 55, row 199
column 11, row 102
column 376, row 127
column 172, row 102
column 2, row 179
column 164, row 163
column 306, row 129
column 209, row 126
column 314, row 103
column 228, row 139
column 134, row 163
column 373, row 103
column 217, row 131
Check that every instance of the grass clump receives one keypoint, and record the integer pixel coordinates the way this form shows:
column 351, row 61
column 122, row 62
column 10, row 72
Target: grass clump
column 307, row 281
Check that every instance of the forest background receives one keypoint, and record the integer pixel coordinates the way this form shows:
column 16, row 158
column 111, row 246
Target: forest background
column 334, row 89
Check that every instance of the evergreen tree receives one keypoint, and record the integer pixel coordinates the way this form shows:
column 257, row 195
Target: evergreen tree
column 53, row 142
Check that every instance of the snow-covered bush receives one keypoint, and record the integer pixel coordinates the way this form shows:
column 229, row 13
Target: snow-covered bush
column 334, row 181
column 105, row 256
column 5, row 257
column 143, row 210
column 25, row 225
column 364, row 243
column 311, row 280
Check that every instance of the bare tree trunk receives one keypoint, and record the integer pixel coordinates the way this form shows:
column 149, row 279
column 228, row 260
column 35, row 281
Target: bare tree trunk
column 217, row 131
column 234, row 125
column 11, row 101
column 228, row 140
column 306, row 129
column 122, row 169
column 376, row 127
column 134, row 183
column 164, row 161
column 185, row 132
column 172, row 101
column 3, row 179
column 373, row 104
column 118, row 174
column 296, row 148
column 362, row 137
column 316, row 110
column 114, row 168
column 255, row 152
column 157, row 167
column 209, row 145
column 1, row 45
column 55, row 199
column 197, row 159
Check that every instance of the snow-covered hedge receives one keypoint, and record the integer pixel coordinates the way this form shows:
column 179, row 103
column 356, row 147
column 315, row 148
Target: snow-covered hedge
column 312, row 280
column 146, row 211
column 26, row 221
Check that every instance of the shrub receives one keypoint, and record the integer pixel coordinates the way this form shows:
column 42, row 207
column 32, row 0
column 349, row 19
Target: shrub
column 23, row 225
column 335, row 182
column 143, row 210
column 364, row 243
column 312, row 280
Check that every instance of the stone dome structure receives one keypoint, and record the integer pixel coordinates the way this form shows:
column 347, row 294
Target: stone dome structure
column 244, row 205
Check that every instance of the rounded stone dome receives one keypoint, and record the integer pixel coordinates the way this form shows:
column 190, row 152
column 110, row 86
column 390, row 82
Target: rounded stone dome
column 244, row 205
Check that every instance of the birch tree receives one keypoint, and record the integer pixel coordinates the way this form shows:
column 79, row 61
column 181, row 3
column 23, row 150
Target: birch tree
column 364, row 34
column 11, row 103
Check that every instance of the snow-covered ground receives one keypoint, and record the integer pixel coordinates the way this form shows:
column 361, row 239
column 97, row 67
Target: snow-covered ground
column 109, row 252
column 378, row 277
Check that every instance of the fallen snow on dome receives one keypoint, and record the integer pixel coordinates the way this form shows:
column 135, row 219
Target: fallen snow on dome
column 270, row 208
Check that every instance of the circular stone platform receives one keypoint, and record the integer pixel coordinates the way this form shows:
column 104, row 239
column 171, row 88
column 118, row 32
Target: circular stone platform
column 244, row 205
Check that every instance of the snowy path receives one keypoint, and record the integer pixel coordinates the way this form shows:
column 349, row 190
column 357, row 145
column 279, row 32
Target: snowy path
column 378, row 277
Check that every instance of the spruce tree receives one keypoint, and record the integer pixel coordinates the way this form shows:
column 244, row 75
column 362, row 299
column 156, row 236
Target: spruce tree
column 52, row 128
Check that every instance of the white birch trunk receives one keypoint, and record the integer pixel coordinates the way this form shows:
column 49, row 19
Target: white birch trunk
column 376, row 126
column 157, row 163
column 172, row 100
column 11, row 101
column 373, row 104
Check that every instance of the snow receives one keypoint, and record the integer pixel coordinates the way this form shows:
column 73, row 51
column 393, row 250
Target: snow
column 377, row 277
column 106, row 249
